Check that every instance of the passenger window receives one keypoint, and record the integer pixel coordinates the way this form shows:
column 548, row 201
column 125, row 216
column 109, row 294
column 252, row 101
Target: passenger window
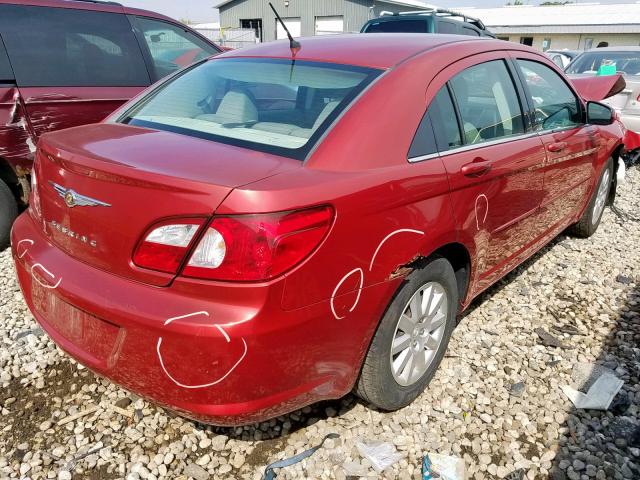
column 51, row 47
column 470, row 31
column 171, row 46
column 6, row 73
column 555, row 104
column 447, row 27
column 442, row 115
column 488, row 102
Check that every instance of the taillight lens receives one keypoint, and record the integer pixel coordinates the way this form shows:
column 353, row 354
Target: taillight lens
column 165, row 245
column 258, row 247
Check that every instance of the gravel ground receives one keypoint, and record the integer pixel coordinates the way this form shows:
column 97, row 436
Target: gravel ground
column 496, row 400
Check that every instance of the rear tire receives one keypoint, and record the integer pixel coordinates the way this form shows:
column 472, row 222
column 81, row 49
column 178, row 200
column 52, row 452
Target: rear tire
column 8, row 213
column 383, row 381
column 590, row 220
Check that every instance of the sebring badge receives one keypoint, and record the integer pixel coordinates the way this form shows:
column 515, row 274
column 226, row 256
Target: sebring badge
column 74, row 199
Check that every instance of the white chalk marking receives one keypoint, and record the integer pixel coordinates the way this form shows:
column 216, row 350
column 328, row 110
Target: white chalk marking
column 403, row 230
column 335, row 290
column 195, row 314
column 224, row 334
column 486, row 212
column 26, row 240
column 205, row 385
column 39, row 265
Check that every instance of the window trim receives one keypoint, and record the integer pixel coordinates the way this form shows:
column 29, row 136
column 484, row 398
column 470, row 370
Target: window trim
column 529, row 97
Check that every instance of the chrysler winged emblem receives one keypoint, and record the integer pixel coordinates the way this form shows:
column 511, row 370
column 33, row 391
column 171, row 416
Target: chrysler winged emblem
column 74, row 199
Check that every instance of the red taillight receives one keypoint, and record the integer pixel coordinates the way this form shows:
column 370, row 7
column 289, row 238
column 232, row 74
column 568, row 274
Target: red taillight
column 165, row 245
column 258, row 247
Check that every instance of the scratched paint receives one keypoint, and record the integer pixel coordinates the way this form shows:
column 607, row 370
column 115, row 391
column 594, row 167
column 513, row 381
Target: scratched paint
column 335, row 292
column 39, row 266
column 361, row 272
column 224, row 334
column 481, row 210
column 17, row 142
column 26, row 249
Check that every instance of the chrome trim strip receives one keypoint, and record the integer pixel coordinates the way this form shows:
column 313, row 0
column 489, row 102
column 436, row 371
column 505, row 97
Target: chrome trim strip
column 75, row 100
column 474, row 146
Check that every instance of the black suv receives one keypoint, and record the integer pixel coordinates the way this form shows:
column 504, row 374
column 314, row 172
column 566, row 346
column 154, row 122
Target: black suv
column 437, row 20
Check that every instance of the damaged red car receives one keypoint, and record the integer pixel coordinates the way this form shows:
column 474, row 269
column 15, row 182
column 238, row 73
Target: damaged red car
column 270, row 228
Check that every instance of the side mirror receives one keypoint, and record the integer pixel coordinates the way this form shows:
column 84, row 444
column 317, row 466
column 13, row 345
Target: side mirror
column 599, row 114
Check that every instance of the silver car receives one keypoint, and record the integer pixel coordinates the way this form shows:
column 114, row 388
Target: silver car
column 608, row 61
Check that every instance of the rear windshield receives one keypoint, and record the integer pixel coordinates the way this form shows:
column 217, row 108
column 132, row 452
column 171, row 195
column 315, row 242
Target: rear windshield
column 597, row 62
column 271, row 105
column 399, row 26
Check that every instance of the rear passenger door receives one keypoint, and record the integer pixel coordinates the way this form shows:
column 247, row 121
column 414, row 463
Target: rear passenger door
column 494, row 163
column 571, row 145
column 72, row 66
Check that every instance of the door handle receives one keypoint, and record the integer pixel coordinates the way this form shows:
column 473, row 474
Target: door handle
column 557, row 147
column 477, row 168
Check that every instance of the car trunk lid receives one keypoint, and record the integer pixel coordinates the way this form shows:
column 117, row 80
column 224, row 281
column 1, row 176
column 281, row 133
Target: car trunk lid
column 125, row 179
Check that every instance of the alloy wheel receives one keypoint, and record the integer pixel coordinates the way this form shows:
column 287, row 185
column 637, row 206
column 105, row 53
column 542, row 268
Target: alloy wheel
column 419, row 333
column 601, row 198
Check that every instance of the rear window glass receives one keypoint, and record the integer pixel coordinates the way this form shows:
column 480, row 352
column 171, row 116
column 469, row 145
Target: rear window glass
column 64, row 47
column 271, row 105
column 591, row 62
column 399, row 26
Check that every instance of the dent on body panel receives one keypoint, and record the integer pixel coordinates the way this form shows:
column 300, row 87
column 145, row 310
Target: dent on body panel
column 17, row 142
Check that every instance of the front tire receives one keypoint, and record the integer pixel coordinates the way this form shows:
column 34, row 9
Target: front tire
column 411, row 339
column 590, row 220
column 8, row 213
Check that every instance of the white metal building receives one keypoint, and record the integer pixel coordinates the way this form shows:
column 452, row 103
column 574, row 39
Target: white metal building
column 580, row 26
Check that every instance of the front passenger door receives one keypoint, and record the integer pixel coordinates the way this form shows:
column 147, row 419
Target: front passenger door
column 570, row 145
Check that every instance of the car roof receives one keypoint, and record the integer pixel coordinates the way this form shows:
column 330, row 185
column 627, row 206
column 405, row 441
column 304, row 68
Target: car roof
column 613, row 49
column 373, row 50
column 95, row 5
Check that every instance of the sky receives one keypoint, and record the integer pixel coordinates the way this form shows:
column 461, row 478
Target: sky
column 202, row 11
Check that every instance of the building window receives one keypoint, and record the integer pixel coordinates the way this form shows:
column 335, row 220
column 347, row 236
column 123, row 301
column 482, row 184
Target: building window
column 526, row 41
column 329, row 25
column 506, row 39
column 546, row 44
column 255, row 24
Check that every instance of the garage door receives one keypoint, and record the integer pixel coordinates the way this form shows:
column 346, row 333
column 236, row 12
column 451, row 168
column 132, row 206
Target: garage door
column 329, row 25
column 294, row 26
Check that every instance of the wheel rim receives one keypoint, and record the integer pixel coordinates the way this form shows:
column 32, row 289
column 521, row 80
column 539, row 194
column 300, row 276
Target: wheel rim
column 419, row 333
column 601, row 198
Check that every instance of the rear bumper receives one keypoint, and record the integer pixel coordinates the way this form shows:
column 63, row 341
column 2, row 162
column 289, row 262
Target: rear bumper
column 226, row 355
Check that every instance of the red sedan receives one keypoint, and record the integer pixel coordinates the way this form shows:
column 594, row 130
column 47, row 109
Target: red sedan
column 267, row 229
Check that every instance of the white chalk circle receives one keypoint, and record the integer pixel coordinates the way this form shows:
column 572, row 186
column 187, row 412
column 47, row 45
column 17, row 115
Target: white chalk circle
column 335, row 291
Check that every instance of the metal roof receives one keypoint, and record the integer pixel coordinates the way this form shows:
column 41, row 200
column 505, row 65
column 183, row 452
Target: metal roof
column 404, row 3
column 573, row 18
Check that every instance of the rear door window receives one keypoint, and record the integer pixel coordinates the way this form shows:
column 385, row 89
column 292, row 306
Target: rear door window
column 555, row 104
column 488, row 102
column 439, row 129
column 64, row 47
column 172, row 47
column 6, row 73
column 399, row 26
column 448, row 27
